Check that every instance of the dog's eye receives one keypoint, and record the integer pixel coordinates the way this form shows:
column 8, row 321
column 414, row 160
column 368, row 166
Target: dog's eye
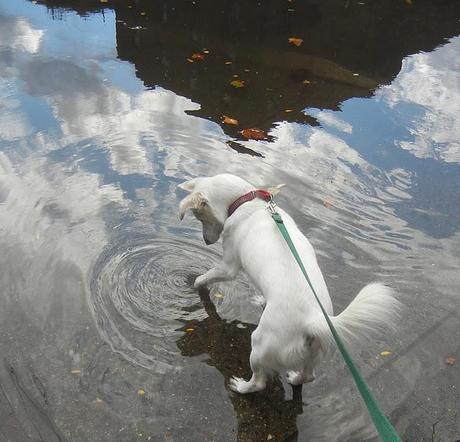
column 204, row 203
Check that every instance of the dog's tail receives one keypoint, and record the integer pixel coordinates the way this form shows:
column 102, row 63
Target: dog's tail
column 374, row 310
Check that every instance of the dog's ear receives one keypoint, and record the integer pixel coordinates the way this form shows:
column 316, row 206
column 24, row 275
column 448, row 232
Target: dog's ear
column 276, row 189
column 188, row 185
column 194, row 201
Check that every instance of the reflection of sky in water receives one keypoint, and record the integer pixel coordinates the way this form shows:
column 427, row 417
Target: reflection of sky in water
column 86, row 148
column 416, row 113
column 93, row 116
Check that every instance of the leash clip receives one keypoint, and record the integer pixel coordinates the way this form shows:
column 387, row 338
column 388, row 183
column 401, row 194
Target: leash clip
column 271, row 205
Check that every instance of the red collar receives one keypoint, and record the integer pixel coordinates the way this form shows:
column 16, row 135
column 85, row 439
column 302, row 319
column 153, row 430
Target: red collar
column 253, row 194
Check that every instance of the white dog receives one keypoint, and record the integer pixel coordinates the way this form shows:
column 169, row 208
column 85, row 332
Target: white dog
column 292, row 332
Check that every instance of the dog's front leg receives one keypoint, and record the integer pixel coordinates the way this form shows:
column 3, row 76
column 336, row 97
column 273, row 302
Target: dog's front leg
column 226, row 270
column 221, row 272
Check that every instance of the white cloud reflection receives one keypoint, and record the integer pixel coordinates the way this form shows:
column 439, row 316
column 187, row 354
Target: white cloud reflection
column 18, row 34
column 432, row 82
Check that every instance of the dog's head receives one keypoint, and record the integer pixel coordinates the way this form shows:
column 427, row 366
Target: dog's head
column 198, row 201
column 209, row 199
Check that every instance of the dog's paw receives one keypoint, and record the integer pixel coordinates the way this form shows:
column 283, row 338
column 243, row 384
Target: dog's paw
column 299, row 378
column 241, row 386
column 258, row 300
column 199, row 282
column 294, row 377
column 238, row 384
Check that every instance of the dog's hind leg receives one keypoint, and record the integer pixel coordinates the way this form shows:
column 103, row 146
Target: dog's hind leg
column 311, row 359
column 258, row 380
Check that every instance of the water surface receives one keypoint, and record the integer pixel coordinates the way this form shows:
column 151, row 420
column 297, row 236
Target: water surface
column 102, row 114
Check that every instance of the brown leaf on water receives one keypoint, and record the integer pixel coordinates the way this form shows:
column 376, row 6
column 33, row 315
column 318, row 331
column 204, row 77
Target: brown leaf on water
column 385, row 353
column 450, row 360
column 104, row 1
column 237, row 83
column 295, row 41
column 288, row 110
column 228, row 120
column 198, row 56
column 253, row 134
column 328, row 202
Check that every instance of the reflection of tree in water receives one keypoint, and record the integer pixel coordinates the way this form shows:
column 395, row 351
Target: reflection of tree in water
column 341, row 38
column 228, row 345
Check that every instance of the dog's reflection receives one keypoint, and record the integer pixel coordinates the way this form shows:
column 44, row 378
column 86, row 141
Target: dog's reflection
column 261, row 416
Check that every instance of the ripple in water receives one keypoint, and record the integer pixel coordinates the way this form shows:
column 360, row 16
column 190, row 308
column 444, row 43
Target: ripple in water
column 141, row 293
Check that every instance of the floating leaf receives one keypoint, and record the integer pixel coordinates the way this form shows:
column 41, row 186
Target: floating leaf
column 385, row 353
column 141, row 392
column 355, row 75
column 306, row 82
column 205, row 51
column 218, row 295
column 295, row 41
column 228, row 120
column 253, row 134
column 76, row 371
column 237, row 83
column 328, row 202
column 288, row 110
column 450, row 360
column 104, row 1
column 198, row 56
column 143, row 13
column 189, row 330
column 228, row 62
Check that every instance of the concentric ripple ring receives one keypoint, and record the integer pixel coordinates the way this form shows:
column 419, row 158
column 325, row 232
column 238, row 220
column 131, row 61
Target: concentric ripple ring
column 141, row 292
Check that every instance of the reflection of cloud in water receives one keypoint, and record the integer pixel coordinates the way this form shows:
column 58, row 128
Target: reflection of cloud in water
column 88, row 107
column 331, row 119
column 18, row 34
column 432, row 81
column 13, row 123
column 51, row 226
column 42, row 205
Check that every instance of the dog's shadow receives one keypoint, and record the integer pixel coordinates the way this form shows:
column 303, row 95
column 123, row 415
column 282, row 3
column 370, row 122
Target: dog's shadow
column 261, row 416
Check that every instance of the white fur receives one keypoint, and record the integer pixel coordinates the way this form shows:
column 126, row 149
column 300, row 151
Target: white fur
column 292, row 332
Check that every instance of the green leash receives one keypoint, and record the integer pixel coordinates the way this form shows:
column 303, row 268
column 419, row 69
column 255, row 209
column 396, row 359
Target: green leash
column 382, row 424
